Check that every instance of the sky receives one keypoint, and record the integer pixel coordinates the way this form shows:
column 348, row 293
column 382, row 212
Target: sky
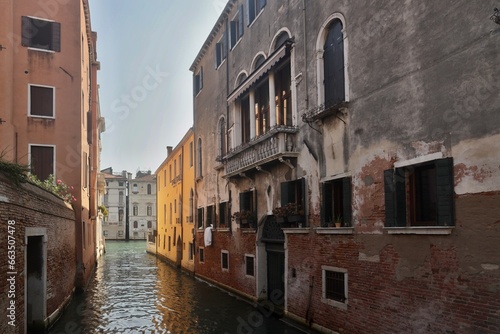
column 146, row 48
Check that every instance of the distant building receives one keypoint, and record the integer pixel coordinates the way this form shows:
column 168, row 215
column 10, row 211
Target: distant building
column 115, row 200
column 175, row 204
column 142, row 205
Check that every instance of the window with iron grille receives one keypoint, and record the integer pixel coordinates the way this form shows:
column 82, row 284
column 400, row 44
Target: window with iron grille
column 335, row 286
column 250, row 265
column 225, row 260
column 202, row 254
column 41, row 101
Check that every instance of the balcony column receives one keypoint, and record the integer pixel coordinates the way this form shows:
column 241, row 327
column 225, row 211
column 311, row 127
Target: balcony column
column 251, row 97
column 272, row 101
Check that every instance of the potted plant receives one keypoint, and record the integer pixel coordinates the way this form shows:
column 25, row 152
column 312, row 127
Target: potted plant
column 244, row 217
column 295, row 212
column 280, row 213
column 338, row 221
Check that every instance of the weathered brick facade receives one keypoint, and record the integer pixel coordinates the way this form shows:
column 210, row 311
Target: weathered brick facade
column 33, row 207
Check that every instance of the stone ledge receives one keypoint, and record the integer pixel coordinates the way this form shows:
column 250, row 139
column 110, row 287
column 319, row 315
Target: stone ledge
column 334, row 230
column 425, row 230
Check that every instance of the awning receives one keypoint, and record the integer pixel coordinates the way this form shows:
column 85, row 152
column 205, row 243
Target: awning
column 271, row 61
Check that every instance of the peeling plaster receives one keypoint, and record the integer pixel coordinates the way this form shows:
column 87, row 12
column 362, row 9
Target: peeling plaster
column 364, row 257
column 489, row 266
column 4, row 199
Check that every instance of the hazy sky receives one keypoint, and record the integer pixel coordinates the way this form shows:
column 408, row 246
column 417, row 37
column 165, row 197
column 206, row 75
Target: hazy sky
column 146, row 48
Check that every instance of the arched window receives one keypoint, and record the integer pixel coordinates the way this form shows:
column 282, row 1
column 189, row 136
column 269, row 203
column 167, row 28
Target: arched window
column 150, row 210
column 259, row 61
column 333, row 56
column 135, row 224
column 281, row 39
column 120, row 197
column 221, row 134
column 135, row 210
column 200, row 156
column 135, row 190
column 149, row 189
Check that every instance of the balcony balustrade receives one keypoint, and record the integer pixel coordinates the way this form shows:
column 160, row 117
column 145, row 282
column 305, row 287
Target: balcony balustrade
column 274, row 145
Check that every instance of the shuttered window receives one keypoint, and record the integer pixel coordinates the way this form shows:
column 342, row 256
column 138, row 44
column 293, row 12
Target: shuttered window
column 336, row 202
column 198, row 82
column 250, row 265
column 200, row 217
column 41, row 34
column 236, row 28
column 420, row 195
column 42, row 161
column 220, row 51
column 41, row 101
column 254, row 7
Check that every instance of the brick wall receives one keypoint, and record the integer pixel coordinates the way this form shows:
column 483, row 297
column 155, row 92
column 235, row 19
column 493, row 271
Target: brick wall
column 405, row 283
column 237, row 244
column 30, row 206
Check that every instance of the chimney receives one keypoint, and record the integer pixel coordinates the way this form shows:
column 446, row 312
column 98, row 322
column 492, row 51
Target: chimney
column 169, row 150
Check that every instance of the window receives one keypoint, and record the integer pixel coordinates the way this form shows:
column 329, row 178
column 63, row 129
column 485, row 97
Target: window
column 220, row 50
column 120, row 197
column 250, row 265
column 170, row 172
column 248, row 202
column 105, row 233
column 120, row 183
column 42, row 101
column 283, row 96
column 120, row 234
column 42, row 161
column 293, row 192
column 262, row 109
column 169, row 243
column 180, row 165
column 171, row 213
column 333, row 57
column 225, row 260
column 164, row 177
column 253, row 9
column 245, row 119
column 224, row 221
column 202, row 254
column 175, row 169
column 334, row 286
column 149, row 210
column 191, row 206
column 120, row 215
column 336, row 202
column 198, row 82
column 136, row 234
column 164, row 214
column 150, row 224
column 420, row 194
column 135, row 210
column 191, row 251
column 222, row 138
column 236, row 28
column 210, row 215
column 200, row 158
column 149, row 189
column 200, row 218
column 136, row 225
column 41, row 34
column 191, row 153
column 135, row 190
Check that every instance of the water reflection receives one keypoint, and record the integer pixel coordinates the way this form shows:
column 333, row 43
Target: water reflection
column 133, row 292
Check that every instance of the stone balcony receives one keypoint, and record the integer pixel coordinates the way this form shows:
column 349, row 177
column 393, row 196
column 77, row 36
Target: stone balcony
column 275, row 145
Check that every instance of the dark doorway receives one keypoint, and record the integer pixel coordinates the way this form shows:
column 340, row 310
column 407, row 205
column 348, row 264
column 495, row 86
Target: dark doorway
column 35, row 268
column 276, row 273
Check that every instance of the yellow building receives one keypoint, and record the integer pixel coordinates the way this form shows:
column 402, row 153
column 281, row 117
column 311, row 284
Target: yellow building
column 175, row 203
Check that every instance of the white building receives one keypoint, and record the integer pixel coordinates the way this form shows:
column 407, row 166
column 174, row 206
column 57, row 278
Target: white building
column 142, row 205
column 115, row 200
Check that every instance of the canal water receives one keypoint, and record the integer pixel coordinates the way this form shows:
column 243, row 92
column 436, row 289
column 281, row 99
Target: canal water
column 134, row 292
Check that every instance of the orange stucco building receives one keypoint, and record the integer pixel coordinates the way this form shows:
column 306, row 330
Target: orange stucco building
column 50, row 115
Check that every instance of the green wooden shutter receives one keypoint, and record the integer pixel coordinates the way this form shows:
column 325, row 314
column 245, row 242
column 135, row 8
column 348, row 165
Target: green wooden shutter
column 400, row 187
column 250, row 11
column 302, row 185
column 326, row 203
column 56, row 36
column 232, row 33
column 390, row 204
column 262, row 4
column 347, row 200
column 285, row 189
column 218, row 54
column 445, row 192
column 241, row 24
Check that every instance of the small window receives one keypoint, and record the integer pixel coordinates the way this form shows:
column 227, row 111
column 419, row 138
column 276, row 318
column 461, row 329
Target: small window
column 120, row 184
column 191, row 251
column 41, row 101
column 249, row 265
column 220, row 51
column 135, row 190
column 225, row 260
column 198, row 82
column 105, row 233
column 150, row 224
column 221, row 129
column 41, row 34
column 150, row 210
column 224, row 221
column 420, row 195
column 135, row 210
column 236, row 28
column 210, row 215
column 136, row 225
column 191, row 206
column 149, row 189
column 202, row 254
column 120, row 234
column 191, row 152
column 169, row 243
column 200, row 218
column 42, row 161
column 334, row 286
column 120, row 215
column 200, row 158
column 254, row 7
column 336, row 202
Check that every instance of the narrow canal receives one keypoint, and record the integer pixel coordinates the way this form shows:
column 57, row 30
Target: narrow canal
column 134, row 292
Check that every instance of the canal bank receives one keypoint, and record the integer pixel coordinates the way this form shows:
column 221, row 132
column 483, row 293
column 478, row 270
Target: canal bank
column 135, row 292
